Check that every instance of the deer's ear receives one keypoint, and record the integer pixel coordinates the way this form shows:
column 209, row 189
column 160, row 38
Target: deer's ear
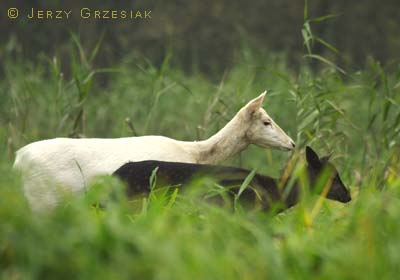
column 312, row 158
column 254, row 105
column 326, row 158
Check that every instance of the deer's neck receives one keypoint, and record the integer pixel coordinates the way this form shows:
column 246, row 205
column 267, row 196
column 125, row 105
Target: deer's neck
column 230, row 140
column 292, row 197
column 293, row 194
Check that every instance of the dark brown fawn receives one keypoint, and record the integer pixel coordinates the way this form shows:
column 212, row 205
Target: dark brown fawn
column 261, row 189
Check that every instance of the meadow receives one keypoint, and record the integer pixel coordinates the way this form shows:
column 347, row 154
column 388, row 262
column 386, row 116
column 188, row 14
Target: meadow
column 356, row 116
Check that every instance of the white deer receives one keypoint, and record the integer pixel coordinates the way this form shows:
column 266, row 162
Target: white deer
column 68, row 164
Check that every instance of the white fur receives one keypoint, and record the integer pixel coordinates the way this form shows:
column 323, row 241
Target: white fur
column 68, row 164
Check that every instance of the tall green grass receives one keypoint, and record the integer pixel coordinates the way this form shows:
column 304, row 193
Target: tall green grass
column 355, row 116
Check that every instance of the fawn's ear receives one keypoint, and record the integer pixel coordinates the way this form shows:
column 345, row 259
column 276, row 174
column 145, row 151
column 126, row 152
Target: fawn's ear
column 312, row 158
column 254, row 105
column 325, row 158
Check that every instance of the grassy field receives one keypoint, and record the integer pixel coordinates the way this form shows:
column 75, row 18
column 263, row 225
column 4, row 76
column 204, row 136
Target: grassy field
column 356, row 116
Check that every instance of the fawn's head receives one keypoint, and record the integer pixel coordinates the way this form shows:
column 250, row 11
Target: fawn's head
column 318, row 166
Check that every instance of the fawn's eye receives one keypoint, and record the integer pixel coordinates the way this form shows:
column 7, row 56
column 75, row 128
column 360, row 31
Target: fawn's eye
column 266, row 123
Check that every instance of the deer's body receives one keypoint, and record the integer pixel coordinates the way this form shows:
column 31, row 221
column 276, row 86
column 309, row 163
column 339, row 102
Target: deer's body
column 262, row 188
column 68, row 164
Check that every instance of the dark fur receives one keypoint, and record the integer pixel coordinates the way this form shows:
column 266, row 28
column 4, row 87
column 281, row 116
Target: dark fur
column 137, row 175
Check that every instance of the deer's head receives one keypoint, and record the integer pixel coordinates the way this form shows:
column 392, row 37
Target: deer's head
column 320, row 166
column 261, row 129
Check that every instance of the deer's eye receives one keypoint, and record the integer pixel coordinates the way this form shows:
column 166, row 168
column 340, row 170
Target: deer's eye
column 266, row 123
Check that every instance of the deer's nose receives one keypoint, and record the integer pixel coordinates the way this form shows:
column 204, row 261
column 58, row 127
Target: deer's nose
column 293, row 144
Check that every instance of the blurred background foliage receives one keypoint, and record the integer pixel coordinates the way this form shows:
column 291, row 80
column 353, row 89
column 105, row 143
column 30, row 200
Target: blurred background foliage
column 208, row 35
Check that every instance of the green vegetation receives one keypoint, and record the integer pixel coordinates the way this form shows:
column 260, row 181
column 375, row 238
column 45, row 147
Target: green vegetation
column 208, row 36
column 356, row 116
